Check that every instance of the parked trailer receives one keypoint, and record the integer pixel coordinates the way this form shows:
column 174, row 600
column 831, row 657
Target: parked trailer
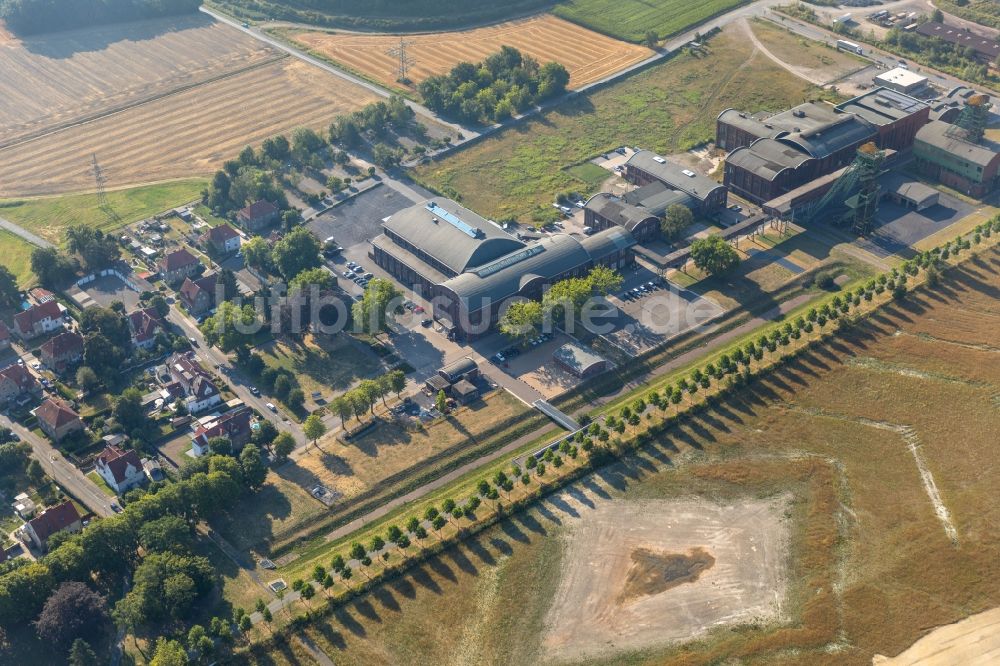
column 844, row 45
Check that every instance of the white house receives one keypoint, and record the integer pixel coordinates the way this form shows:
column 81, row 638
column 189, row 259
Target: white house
column 120, row 469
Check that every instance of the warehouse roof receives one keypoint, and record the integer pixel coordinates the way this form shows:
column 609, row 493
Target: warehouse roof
column 618, row 211
column 657, row 198
column 748, row 123
column 541, row 260
column 767, row 158
column 956, row 35
column 674, row 175
column 822, row 141
column 901, row 77
column 908, row 188
column 883, row 106
column 451, row 234
column 410, row 260
column 579, row 359
column 949, row 138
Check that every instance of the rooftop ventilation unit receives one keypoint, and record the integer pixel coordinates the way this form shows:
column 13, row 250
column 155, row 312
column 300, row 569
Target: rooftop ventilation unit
column 659, row 159
column 688, row 173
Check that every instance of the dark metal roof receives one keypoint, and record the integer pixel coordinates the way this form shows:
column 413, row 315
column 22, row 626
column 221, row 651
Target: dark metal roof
column 657, row 198
column 542, row 260
column 824, row 140
column 677, row 177
column 578, row 358
column 750, row 124
column 618, row 211
column 956, row 35
column 766, row 158
column 452, row 234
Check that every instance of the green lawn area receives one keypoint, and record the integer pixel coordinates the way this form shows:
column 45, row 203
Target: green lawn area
column 668, row 108
column 589, row 173
column 631, row 19
column 99, row 482
column 17, row 256
column 49, row 216
column 206, row 214
column 323, row 363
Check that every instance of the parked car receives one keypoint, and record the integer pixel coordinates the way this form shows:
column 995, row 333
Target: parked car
column 426, row 323
column 254, row 391
column 271, row 406
column 418, row 309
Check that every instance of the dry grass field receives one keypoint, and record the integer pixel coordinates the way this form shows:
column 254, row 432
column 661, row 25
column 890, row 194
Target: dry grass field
column 48, row 81
column 389, row 448
column 589, row 56
column 884, row 441
column 208, row 94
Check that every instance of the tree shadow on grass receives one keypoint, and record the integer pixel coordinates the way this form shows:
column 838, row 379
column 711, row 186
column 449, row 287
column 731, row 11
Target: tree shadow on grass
column 333, row 637
column 347, row 621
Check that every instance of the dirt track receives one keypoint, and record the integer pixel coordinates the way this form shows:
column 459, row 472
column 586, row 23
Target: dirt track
column 589, row 56
column 975, row 641
column 590, row 617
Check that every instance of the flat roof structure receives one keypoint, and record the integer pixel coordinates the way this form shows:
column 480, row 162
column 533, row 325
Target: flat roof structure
column 913, row 191
column 901, row 79
column 674, row 175
column 948, row 138
column 451, row 234
column 883, row 106
column 656, row 198
column 988, row 48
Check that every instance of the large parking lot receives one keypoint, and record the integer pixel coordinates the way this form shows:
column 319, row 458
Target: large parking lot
column 359, row 219
column 104, row 291
column 900, row 228
column 533, row 364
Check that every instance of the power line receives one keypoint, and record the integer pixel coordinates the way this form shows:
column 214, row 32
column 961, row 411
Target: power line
column 102, row 196
column 405, row 61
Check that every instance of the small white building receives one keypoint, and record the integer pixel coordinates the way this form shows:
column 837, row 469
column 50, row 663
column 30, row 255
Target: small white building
column 901, row 80
column 121, row 470
column 24, row 506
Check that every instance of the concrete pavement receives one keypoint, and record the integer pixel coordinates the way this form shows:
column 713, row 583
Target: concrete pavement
column 24, row 233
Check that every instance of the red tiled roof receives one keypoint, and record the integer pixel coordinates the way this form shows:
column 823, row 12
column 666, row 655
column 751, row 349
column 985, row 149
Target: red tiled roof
column 221, row 233
column 177, row 259
column 233, row 425
column 63, row 344
column 41, row 295
column 258, row 209
column 27, row 319
column 54, row 519
column 117, row 460
column 144, row 324
column 55, row 413
column 18, row 374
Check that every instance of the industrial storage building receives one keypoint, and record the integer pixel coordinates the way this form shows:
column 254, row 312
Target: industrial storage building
column 470, row 304
column 604, row 211
column 645, row 167
column 908, row 192
column 901, row 80
column 426, row 244
column 580, row 361
column 794, row 147
column 985, row 49
column 942, row 152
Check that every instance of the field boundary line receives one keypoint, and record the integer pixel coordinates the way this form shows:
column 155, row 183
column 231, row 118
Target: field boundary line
column 56, row 129
column 912, row 440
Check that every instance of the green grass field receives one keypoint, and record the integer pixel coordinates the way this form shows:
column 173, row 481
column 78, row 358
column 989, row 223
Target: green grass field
column 589, row 173
column 16, row 256
column 631, row 19
column 49, row 216
column 668, row 108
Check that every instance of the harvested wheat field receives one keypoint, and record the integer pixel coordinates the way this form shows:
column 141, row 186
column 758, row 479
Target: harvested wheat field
column 49, row 81
column 589, row 56
column 188, row 133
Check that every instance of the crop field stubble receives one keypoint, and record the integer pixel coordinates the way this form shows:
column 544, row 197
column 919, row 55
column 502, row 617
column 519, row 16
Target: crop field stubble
column 183, row 128
column 587, row 55
column 872, row 567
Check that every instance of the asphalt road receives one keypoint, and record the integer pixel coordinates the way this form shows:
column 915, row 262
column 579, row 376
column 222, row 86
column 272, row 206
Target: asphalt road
column 63, row 472
column 236, row 381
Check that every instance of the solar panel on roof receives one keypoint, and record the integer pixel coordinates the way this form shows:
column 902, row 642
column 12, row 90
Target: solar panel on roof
column 453, row 220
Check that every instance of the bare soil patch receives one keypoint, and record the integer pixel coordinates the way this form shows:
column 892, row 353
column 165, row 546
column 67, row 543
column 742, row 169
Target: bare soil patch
column 975, row 641
column 638, row 574
column 589, row 56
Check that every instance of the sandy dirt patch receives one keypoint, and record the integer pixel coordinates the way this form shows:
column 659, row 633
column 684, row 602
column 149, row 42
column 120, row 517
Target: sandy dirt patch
column 975, row 641
column 589, row 56
column 639, row 574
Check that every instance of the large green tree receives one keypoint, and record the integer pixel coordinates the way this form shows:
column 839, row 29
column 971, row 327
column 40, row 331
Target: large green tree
column 522, row 320
column 375, row 310
column 677, row 218
column 296, row 252
column 714, row 255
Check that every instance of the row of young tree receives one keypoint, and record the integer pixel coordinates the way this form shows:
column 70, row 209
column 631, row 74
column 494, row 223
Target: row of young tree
column 362, row 399
column 37, row 16
column 599, row 441
column 563, row 300
column 502, row 85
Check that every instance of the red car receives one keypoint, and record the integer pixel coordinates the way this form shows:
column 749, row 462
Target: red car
column 418, row 309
